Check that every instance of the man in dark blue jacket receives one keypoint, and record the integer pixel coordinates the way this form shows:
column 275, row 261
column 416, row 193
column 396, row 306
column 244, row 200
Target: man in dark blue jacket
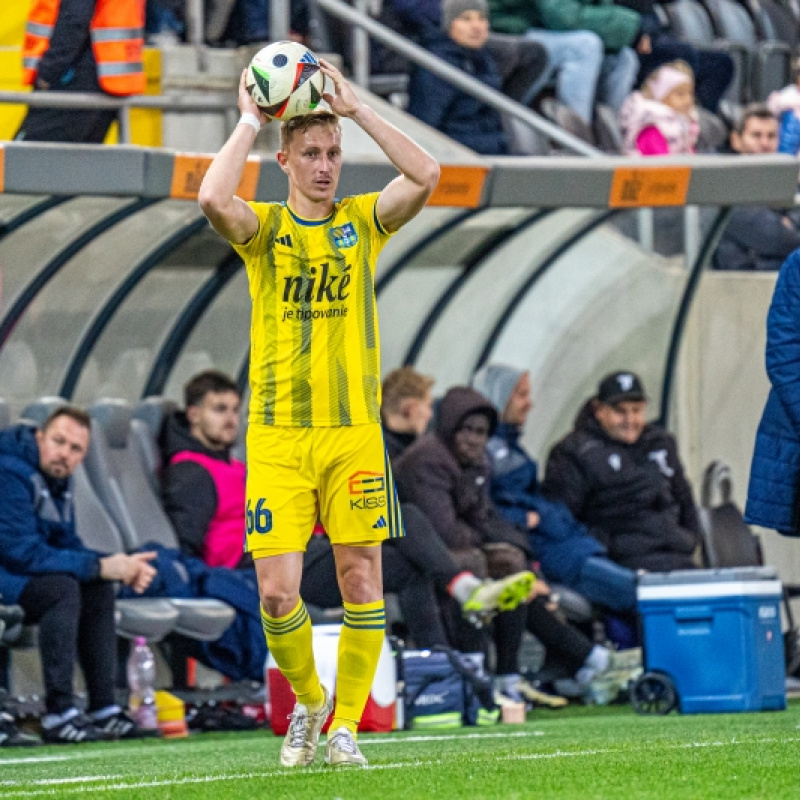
column 566, row 552
column 61, row 585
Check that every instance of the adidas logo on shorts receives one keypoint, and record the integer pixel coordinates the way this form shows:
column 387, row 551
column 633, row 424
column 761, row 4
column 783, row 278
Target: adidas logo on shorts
column 381, row 523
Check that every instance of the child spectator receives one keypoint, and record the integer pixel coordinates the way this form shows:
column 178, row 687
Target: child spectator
column 661, row 118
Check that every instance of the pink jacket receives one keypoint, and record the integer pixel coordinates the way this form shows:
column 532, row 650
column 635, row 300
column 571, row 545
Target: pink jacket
column 224, row 540
column 638, row 114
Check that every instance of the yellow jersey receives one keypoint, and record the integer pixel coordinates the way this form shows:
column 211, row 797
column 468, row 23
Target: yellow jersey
column 314, row 344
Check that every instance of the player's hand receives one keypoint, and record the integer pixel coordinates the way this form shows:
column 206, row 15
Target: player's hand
column 246, row 103
column 344, row 102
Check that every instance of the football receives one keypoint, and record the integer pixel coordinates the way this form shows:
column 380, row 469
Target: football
column 284, row 79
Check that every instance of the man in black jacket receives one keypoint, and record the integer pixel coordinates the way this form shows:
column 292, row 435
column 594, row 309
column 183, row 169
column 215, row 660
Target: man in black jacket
column 757, row 237
column 622, row 478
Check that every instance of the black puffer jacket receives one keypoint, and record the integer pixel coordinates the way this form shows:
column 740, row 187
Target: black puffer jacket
column 455, row 498
column 634, row 498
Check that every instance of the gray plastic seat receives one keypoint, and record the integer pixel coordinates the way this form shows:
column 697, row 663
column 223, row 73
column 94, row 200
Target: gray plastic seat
column 690, row 22
column 122, row 485
column 148, row 419
column 770, row 60
column 148, row 617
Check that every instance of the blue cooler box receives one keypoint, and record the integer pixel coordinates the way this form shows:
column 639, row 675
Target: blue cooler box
column 717, row 635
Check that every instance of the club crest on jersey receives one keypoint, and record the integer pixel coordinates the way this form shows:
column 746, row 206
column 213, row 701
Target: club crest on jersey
column 344, row 235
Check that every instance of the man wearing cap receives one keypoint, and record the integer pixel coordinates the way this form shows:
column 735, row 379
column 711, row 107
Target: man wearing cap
column 621, row 476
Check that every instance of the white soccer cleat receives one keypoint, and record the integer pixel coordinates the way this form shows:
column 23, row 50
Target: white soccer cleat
column 341, row 748
column 494, row 596
column 299, row 748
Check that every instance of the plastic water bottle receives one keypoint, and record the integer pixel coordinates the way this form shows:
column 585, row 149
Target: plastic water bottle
column 141, row 670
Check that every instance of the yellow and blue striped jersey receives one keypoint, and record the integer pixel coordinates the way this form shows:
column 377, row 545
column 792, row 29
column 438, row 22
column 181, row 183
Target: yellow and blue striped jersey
column 314, row 344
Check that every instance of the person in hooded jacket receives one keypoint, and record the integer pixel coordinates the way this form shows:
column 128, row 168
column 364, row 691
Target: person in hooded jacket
column 621, row 477
column 446, row 474
column 63, row 586
column 566, row 552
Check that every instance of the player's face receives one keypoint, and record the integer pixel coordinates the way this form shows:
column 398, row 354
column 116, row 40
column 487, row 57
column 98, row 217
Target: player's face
column 313, row 162
column 472, row 436
column 62, row 446
column 215, row 422
column 622, row 421
column 470, row 29
column 758, row 136
column 520, row 403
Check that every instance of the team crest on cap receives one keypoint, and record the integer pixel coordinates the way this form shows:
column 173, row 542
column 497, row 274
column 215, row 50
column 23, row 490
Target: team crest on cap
column 344, row 235
column 625, row 381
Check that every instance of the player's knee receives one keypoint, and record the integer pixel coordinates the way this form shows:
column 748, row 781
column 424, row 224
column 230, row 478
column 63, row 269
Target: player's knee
column 278, row 602
column 358, row 584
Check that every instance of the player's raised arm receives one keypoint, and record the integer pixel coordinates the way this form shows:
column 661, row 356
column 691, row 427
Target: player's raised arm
column 229, row 215
column 403, row 198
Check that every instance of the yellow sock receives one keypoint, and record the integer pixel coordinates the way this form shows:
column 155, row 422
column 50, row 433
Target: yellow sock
column 289, row 641
column 360, row 646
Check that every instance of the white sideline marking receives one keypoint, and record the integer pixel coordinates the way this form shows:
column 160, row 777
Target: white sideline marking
column 124, row 786
column 370, row 740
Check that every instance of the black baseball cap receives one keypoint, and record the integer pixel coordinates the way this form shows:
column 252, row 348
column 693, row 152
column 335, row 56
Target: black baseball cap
column 620, row 386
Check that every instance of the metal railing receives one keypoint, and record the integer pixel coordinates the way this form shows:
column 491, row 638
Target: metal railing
column 421, row 57
column 174, row 103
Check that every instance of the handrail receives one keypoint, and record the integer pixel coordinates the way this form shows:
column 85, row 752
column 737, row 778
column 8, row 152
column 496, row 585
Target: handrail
column 459, row 79
column 176, row 103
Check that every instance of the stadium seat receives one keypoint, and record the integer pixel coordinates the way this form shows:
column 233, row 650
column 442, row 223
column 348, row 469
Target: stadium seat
column 148, row 418
column 118, row 476
column 148, row 617
column 769, row 59
column 689, row 21
column 607, row 133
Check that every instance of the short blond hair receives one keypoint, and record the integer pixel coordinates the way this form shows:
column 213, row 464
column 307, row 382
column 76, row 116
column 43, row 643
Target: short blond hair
column 305, row 122
column 403, row 384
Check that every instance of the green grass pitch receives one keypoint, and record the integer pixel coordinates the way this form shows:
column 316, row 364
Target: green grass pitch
column 577, row 753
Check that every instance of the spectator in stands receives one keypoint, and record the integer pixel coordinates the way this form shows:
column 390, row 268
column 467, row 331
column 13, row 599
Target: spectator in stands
column 61, row 585
column 202, row 485
column 441, row 105
column 622, row 33
column 661, row 119
column 621, row 477
column 67, row 49
column 565, row 550
column 757, row 237
column 576, row 58
column 785, row 105
column 772, row 496
column 445, row 473
column 520, row 62
column 712, row 69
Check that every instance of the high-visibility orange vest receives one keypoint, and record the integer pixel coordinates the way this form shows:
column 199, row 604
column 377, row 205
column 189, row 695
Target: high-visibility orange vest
column 117, row 33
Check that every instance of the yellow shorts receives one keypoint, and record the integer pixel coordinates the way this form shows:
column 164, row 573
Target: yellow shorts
column 340, row 476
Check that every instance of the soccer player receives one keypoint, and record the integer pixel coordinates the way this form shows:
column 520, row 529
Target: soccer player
column 314, row 441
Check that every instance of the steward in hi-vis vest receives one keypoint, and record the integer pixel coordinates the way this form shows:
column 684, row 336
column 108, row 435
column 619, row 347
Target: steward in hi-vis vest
column 81, row 46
